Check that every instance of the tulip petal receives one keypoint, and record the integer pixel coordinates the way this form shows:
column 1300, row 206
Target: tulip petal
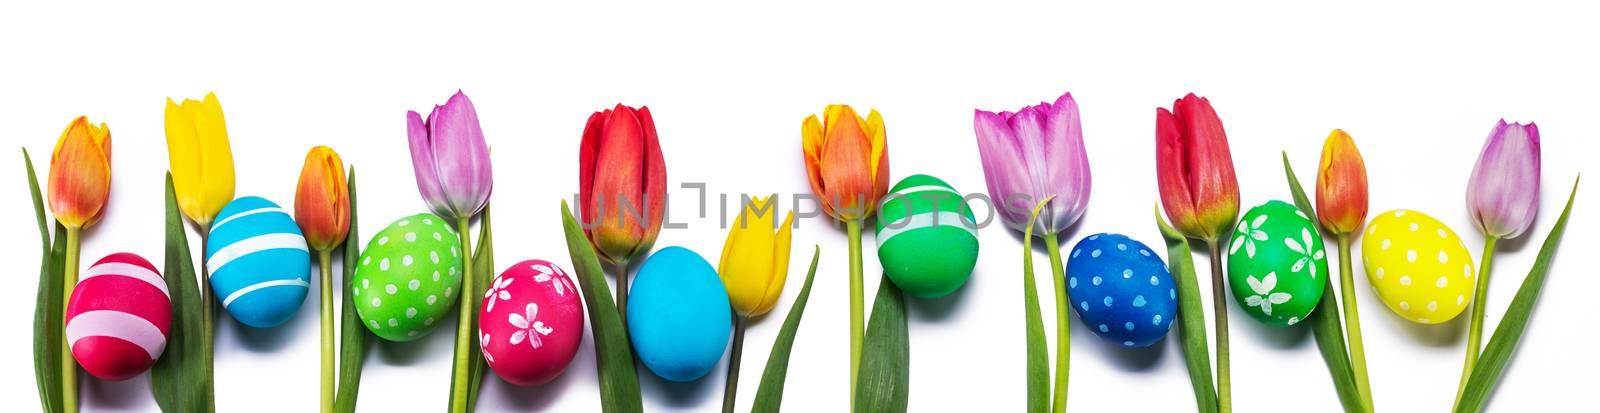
column 1066, row 165
column 780, row 265
column 1503, row 192
column 80, row 174
column 844, row 165
column 1172, row 171
column 1212, row 184
column 1006, row 170
column 812, row 140
column 321, row 202
column 183, row 155
column 747, row 257
column 880, row 156
column 216, row 157
column 588, row 152
column 654, row 185
column 422, row 162
column 1341, row 185
column 461, row 156
column 617, row 191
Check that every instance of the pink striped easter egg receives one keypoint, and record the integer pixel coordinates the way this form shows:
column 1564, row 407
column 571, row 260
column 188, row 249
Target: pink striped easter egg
column 530, row 323
column 119, row 317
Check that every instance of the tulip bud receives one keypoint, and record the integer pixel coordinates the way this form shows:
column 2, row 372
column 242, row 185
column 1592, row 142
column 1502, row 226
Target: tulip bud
column 322, row 200
column 200, row 158
column 1503, row 193
column 755, row 260
column 1194, row 169
column 1032, row 155
column 847, row 161
column 1341, row 185
column 80, row 173
column 451, row 159
column 622, row 182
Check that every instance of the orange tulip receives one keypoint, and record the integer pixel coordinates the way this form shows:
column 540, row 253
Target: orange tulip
column 80, row 173
column 1341, row 185
column 847, row 161
column 322, row 201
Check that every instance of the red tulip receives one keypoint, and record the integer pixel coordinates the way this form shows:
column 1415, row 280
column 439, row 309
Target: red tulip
column 1195, row 170
column 622, row 182
column 80, row 173
column 322, row 201
column 1341, row 185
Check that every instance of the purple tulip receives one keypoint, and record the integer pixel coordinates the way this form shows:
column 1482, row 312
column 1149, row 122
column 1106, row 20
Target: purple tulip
column 1503, row 195
column 451, row 159
column 1031, row 155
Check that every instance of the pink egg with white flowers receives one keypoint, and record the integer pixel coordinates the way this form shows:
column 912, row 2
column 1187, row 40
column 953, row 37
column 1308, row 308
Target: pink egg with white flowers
column 530, row 323
column 119, row 317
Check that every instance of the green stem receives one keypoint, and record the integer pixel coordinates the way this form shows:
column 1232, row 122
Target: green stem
column 464, row 326
column 1358, row 357
column 1219, row 302
column 622, row 292
column 853, row 230
column 69, row 365
column 732, row 386
column 327, row 329
column 207, row 302
column 1063, row 324
column 1475, row 329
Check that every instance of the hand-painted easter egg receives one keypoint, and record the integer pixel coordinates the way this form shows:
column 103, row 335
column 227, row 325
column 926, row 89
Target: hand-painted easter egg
column 1418, row 266
column 408, row 277
column 1121, row 289
column 927, row 242
column 530, row 323
column 679, row 317
column 119, row 317
column 1276, row 264
column 260, row 267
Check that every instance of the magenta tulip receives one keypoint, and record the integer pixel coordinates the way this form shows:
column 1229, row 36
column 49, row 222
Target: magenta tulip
column 1031, row 155
column 451, row 159
column 1503, row 194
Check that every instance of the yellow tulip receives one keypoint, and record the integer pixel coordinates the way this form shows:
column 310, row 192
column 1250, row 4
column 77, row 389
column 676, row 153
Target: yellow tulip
column 201, row 161
column 755, row 258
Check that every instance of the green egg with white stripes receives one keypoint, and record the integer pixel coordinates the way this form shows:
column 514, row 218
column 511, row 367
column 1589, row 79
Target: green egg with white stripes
column 927, row 237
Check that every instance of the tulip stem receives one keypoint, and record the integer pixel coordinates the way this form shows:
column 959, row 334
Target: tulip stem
column 732, row 386
column 1475, row 329
column 327, row 329
column 622, row 292
column 1219, row 302
column 69, row 365
column 1063, row 324
column 207, row 301
column 465, row 340
column 853, row 231
column 1358, row 356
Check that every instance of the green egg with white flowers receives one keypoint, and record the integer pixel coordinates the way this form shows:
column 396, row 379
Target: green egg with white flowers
column 927, row 237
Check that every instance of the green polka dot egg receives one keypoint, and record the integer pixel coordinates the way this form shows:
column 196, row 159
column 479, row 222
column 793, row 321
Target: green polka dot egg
column 1276, row 264
column 927, row 242
column 1419, row 267
column 408, row 278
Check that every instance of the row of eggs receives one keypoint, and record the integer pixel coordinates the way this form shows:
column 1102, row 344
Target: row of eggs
column 531, row 316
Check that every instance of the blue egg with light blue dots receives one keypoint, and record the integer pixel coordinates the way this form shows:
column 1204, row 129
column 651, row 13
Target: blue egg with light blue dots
column 260, row 266
column 679, row 316
column 1121, row 289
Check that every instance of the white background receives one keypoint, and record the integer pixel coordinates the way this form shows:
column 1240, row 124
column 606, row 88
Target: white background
column 1419, row 86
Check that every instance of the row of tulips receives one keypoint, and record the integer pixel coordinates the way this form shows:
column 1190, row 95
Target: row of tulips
column 1036, row 169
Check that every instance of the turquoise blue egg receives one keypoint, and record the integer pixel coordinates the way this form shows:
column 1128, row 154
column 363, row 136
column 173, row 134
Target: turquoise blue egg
column 1121, row 290
column 260, row 267
column 679, row 317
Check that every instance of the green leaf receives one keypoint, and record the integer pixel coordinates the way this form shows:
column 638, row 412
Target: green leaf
column 47, row 312
column 619, row 382
column 353, row 337
column 884, row 381
column 1191, row 318
column 483, row 266
column 1486, row 375
column 1038, row 360
column 180, row 380
column 770, row 395
column 1325, row 325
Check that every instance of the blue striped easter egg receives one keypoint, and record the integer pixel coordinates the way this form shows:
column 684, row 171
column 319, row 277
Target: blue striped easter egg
column 260, row 267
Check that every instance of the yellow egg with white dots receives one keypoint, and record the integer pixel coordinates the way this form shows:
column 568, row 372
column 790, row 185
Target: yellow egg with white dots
column 1419, row 267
